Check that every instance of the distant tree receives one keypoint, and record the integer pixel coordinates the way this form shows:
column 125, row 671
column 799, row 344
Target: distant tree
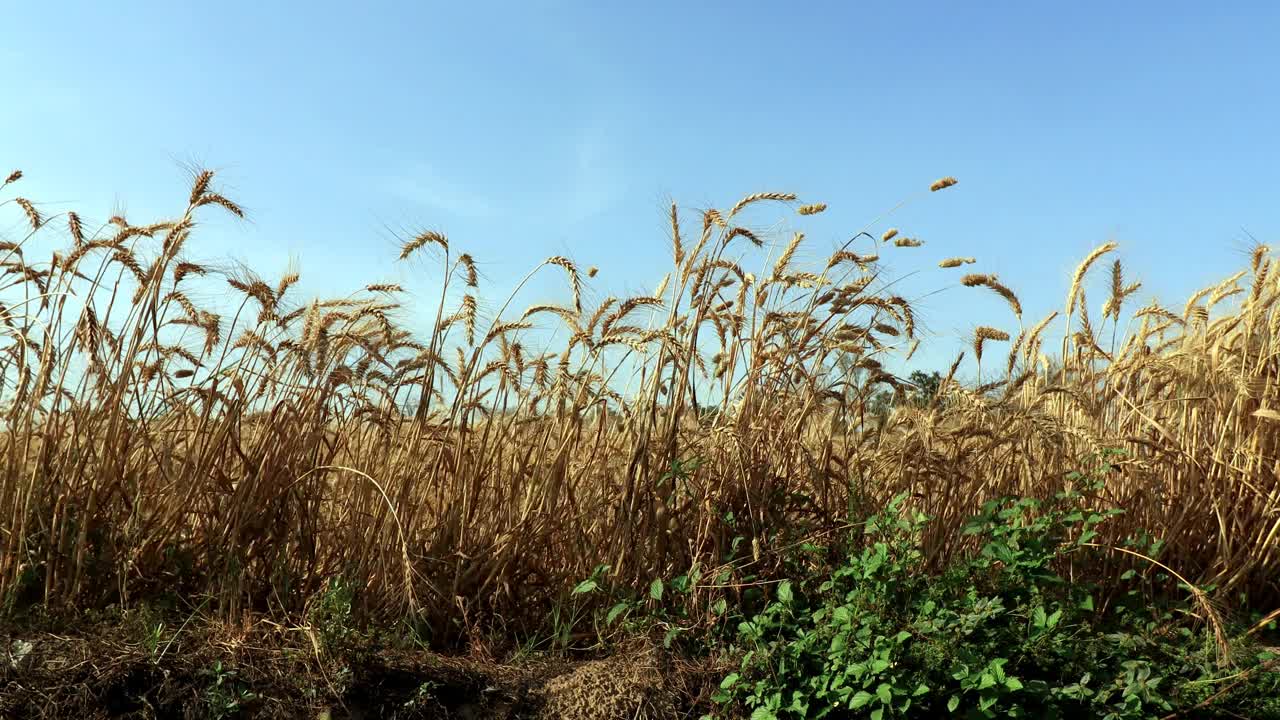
column 918, row 391
column 924, row 387
column 880, row 405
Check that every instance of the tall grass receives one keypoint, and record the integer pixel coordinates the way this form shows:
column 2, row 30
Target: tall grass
column 150, row 444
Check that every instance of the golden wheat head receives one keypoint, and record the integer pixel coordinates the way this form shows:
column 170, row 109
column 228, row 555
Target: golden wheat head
column 415, row 243
column 759, row 197
column 942, row 184
column 1078, row 277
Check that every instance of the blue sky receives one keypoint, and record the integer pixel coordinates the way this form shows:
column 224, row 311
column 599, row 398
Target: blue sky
column 540, row 128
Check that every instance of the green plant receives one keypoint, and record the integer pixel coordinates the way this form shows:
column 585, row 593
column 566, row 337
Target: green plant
column 154, row 634
column 665, row 606
column 998, row 633
column 331, row 615
column 425, row 696
column 226, row 696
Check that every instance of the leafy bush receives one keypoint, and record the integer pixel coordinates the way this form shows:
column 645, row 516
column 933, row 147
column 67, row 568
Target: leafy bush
column 331, row 615
column 998, row 633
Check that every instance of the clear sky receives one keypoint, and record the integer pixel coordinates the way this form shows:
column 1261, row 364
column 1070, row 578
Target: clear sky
column 530, row 129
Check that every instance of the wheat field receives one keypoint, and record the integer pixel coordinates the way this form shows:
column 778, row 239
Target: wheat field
column 481, row 469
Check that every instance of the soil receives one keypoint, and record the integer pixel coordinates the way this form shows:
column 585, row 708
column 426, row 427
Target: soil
column 271, row 671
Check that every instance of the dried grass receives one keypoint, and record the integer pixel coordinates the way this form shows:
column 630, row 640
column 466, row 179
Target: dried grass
column 259, row 452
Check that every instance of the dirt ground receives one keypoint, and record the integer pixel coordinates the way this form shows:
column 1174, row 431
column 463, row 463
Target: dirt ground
column 271, row 671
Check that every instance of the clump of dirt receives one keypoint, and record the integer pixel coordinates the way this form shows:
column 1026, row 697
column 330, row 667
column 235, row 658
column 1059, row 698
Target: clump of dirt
column 421, row 685
column 625, row 686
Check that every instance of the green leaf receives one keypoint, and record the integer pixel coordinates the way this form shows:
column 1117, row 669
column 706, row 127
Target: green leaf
column 1013, row 683
column 729, row 681
column 920, row 690
column 763, row 713
column 586, row 586
column 655, row 589
column 670, row 636
column 877, row 714
column 784, row 592
column 953, row 703
column 884, row 693
column 799, row 703
column 614, row 612
column 1087, row 603
column 860, row 698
